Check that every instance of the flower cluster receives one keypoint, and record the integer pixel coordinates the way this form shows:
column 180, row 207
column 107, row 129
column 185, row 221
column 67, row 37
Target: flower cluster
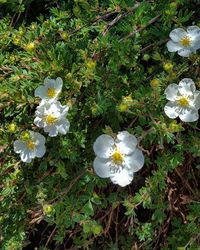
column 184, row 101
column 50, row 115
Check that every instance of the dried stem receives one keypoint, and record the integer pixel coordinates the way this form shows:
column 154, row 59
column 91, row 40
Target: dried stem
column 153, row 20
column 50, row 237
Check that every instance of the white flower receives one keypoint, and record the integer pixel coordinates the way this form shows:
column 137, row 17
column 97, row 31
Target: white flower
column 30, row 145
column 52, row 117
column 117, row 158
column 184, row 101
column 184, row 42
column 50, row 90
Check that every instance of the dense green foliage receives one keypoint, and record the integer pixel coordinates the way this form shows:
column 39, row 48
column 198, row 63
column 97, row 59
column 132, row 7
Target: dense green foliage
column 115, row 66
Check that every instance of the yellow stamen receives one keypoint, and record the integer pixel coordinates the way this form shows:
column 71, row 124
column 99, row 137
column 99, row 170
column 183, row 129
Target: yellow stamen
column 117, row 157
column 51, row 92
column 50, row 119
column 30, row 145
column 185, row 41
column 183, row 101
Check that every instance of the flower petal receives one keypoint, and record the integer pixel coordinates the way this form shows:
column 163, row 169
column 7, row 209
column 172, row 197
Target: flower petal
column 196, row 43
column 19, row 146
column 196, row 102
column 40, row 138
column 52, row 130
column 122, row 178
column 173, row 46
column 63, row 126
column 193, row 31
column 103, row 146
column 49, row 83
column 38, row 122
column 189, row 115
column 184, row 52
column 126, row 142
column 102, row 167
column 40, row 151
column 177, row 34
column 135, row 161
column 186, row 87
column 41, row 92
column 59, row 84
column 52, row 108
column 63, row 109
column 171, row 110
column 171, row 92
column 26, row 156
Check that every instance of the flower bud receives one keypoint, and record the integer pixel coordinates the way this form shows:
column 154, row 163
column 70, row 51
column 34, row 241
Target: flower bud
column 25, row 136
column 48, row 209
column 174, row 127
column 146, row 57
column 150, row 70
column 157, row 57
column 33, row 26
column 69, row 75
column 64, row 35
column 95, row 109
column 30, row 47
column 125, row 104
column 168, row 67
column 21, row 31
column 173, row 5
column 155, row 83
column 128, row 100
column 16, row 40
column 91, row 64
column 12, row 127
column 122, row 107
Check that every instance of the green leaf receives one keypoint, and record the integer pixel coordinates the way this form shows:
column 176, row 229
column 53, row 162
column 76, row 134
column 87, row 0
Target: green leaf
column 88, row 209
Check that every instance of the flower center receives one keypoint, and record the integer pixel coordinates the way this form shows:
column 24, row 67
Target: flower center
column 185, row 41
column 51, row 92
column 30, row 145
column 183, row 101
column 117, row 157
column 50, row 119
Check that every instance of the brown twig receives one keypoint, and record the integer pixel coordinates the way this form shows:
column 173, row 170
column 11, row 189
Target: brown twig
column 112, row 23
column 50, row 237
column 41, row 178
column 163, row 231
column 184, row 181
column 132, row 122
column 72, row 183
column 119, row 17
column 116, row 225
column 145, row 133
column 36, row 217
column 154, row 44
column 153, row 20
column 109, row 221
column 98, row 19
column 144, row 150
